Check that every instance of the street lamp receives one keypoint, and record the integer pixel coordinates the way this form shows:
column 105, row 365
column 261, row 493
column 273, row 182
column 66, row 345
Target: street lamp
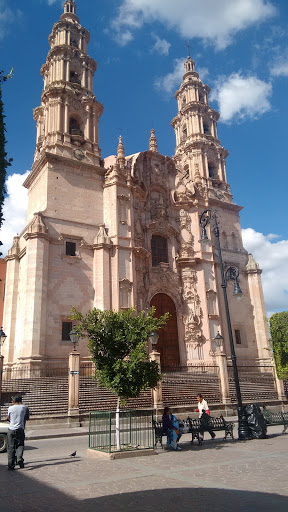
column 153, row 338
column 218, row 341
column 231, row 273
column 74, row 337
column 2, row 338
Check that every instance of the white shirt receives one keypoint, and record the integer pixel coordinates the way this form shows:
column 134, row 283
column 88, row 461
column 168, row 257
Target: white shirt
column 18, row 414
column 202, row 406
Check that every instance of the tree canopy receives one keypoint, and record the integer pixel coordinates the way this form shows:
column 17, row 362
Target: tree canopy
column 117, row 342
column 279, row 338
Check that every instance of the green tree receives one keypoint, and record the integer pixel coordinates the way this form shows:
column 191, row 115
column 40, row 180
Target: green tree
column 4, row 162
column 279, row 338
column 117, row 342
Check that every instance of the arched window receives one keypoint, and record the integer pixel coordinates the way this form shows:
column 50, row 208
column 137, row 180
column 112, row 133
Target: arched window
column 184, row 102
column 159, row 250
column 206, row 127
column 184, row 133
column 74, row 126
column 212, row 170
column 74, row 78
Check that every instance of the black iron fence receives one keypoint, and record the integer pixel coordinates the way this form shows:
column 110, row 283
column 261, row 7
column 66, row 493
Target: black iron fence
column 123, row 431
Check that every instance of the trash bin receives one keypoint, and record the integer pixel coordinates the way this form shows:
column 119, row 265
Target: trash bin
column 256, row 421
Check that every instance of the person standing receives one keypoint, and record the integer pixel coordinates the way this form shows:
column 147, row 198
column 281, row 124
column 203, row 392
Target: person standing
column 203, row 408
column 18, row 414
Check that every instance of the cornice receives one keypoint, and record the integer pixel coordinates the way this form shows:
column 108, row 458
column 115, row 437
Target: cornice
column 51, row 158
column 225, row 206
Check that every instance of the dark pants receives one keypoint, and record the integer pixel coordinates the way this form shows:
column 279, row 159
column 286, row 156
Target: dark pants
column 15, row 446
column 212, row 434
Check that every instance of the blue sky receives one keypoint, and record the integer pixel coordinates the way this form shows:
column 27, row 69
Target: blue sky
column 241, row 51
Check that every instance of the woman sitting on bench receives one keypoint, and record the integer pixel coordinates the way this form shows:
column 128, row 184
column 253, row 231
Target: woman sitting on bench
column 203, row 410
column 171, row 429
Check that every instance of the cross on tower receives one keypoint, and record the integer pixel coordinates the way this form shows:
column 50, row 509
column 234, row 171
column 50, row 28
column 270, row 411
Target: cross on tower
column 188, row 48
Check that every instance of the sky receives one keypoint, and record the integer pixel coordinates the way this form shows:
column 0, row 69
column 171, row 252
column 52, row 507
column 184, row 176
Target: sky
column 241, row 51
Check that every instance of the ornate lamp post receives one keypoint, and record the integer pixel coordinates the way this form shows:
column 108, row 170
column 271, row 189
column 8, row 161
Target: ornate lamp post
column 74, row 337
column 231, row 273
column 153, row 338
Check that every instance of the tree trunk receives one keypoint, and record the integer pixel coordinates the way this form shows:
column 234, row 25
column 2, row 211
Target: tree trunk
column 118, row 425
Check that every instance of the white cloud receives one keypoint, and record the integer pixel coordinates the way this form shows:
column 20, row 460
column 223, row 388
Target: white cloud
column 213, row 21
column 169, row 82
column 14, row 210
column 272, row 258
column 7, row 17
column 241, row 98
column 161, row 46
column 279, row 65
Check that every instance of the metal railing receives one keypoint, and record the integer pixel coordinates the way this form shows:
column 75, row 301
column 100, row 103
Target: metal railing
column 30, row 372
column 131, row 430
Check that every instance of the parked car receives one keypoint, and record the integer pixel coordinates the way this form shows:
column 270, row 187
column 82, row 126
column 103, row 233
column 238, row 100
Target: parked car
column 3, row 436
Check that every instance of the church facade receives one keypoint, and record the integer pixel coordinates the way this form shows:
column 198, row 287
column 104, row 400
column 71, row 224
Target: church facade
column 124, row 231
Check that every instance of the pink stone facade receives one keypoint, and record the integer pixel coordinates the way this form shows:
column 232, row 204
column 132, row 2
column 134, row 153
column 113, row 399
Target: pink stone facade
column 91, row 223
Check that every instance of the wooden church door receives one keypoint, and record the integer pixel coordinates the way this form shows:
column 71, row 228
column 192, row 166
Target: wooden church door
column 168, row 344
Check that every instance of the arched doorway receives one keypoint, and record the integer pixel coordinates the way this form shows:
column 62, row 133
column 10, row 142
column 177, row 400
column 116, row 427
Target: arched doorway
column 168, row 344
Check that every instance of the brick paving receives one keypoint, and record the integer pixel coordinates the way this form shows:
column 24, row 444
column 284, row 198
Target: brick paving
column 219, row 476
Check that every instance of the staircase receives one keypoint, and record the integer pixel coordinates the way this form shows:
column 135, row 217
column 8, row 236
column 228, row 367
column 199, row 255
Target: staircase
column 43, row 395
column 183, row 388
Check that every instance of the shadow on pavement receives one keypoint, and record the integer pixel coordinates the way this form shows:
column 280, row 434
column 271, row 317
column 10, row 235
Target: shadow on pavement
column 22, row 493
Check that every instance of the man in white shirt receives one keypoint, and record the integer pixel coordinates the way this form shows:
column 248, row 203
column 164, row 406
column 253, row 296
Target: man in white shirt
column 18, row 414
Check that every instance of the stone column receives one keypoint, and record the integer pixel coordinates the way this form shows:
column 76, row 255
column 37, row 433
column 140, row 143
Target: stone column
column 279, row 387
column 102, row 269
column 11, row 298
column 259, row 312
column 221, row 360
column 66, row 123
column 157, row 392
column 73, row 382
column 36, row 292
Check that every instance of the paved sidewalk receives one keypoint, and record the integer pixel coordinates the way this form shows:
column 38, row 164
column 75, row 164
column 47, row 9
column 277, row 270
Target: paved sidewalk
column 219, row 476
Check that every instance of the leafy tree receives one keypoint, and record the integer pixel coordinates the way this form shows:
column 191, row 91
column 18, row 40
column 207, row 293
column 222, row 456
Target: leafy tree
column 4, row 163
column 279, row 338
column 117, row 342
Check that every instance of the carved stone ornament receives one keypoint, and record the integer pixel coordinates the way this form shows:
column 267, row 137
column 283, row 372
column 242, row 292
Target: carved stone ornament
column 36, row 228
column 15, row 249
column 79, row 154
column 102, row 237
column 161, row 279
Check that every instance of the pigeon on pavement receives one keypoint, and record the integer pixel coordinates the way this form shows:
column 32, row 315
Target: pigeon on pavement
column 73, row 454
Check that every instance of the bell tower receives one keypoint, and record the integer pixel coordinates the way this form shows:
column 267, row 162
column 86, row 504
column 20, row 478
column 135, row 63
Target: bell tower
column 68, row 118
column 197, row 145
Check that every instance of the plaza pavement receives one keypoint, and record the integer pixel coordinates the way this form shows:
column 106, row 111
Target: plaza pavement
column 219, row 476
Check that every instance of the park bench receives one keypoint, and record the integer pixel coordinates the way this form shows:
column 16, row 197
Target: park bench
column 194, row 427
column 276, row 418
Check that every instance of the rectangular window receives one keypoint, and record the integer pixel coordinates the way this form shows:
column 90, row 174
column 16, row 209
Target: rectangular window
column 159, row 250
column 66, row 329
column 237, row 337
column 70, row 249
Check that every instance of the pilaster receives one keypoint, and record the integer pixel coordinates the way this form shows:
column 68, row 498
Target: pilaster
column 11, row 298
column 37, row 254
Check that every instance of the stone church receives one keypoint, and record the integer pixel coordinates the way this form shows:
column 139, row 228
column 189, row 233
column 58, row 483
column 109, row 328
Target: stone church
column 123, row 231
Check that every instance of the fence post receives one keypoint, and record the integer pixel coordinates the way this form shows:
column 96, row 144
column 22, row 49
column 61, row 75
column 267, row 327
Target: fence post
column 221, row 360
column 157, row 392
column 1, row 376
column 279, row 387
column 73, row 382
